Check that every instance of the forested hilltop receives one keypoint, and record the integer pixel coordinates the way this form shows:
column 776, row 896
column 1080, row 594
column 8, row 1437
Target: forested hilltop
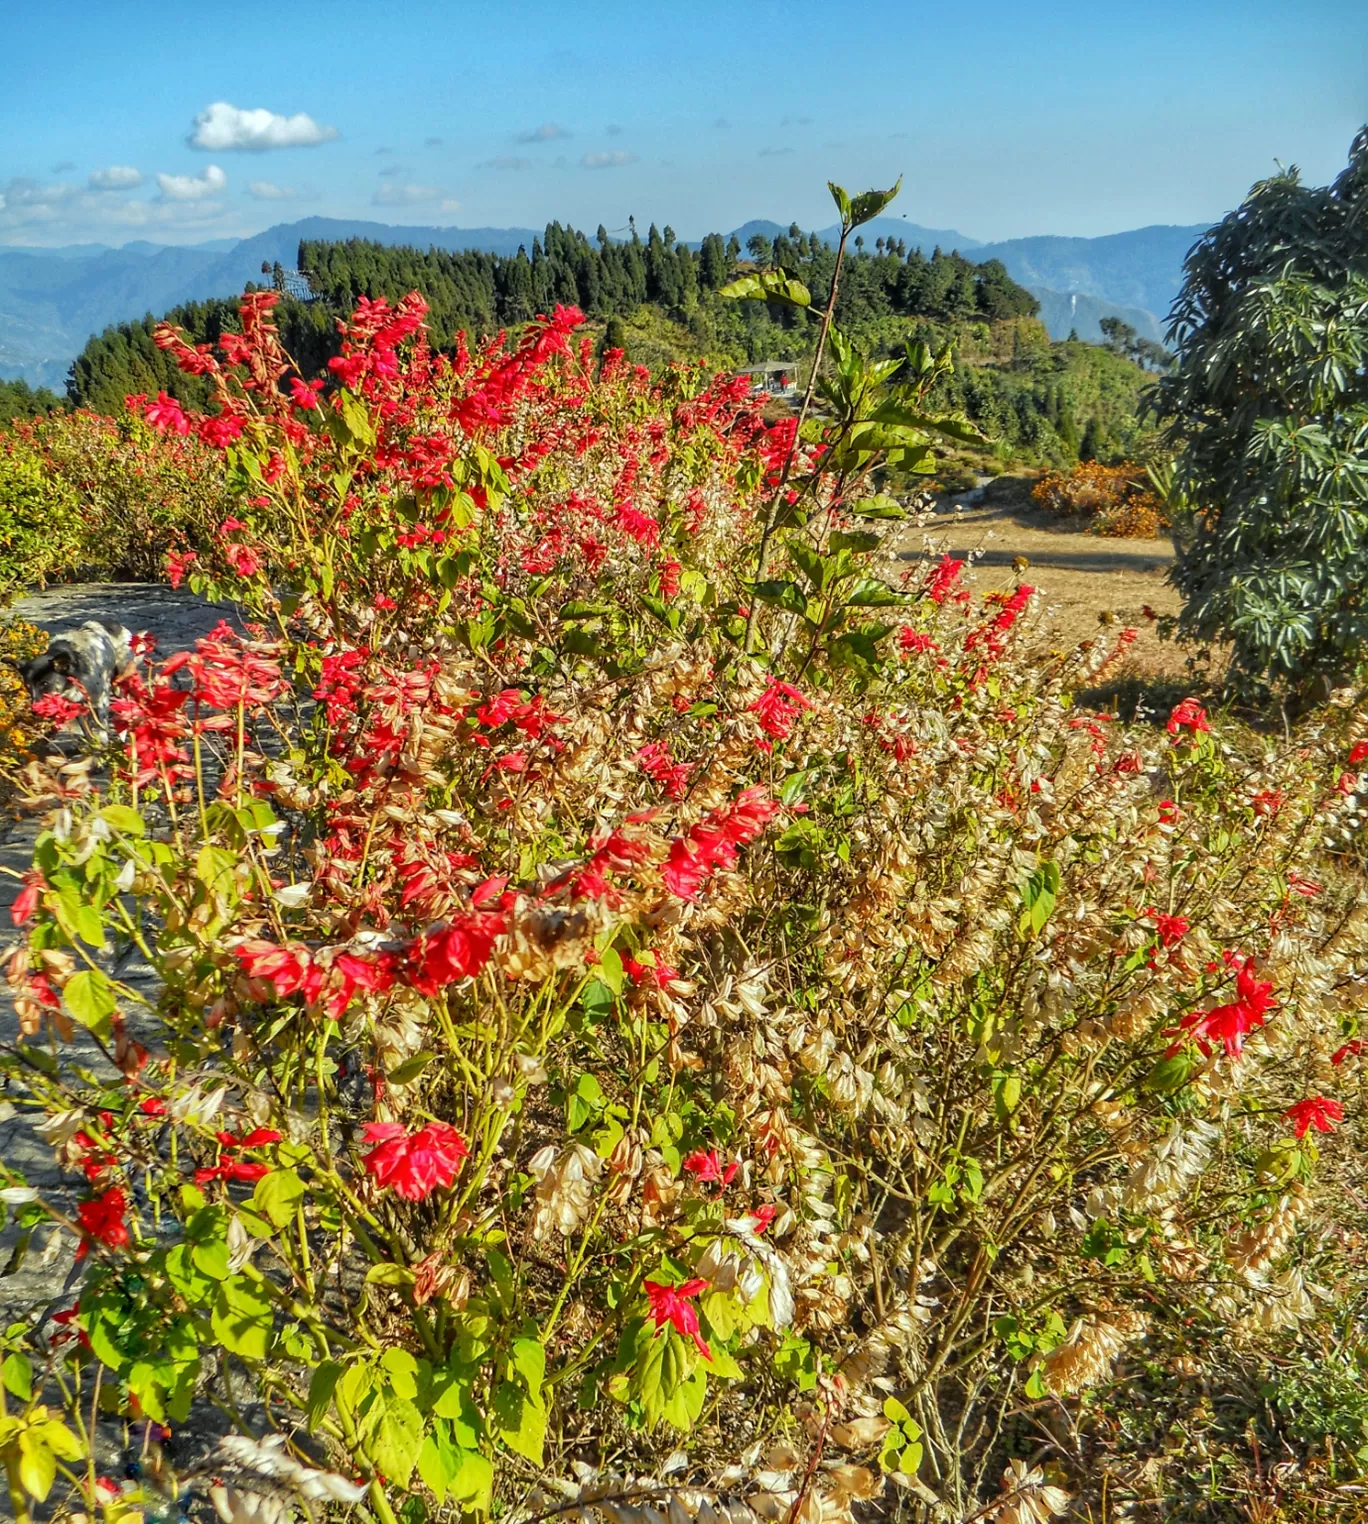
column 658, row 299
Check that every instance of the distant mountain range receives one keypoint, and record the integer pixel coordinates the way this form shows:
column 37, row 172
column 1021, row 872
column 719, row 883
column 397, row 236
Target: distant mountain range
column 52, row 300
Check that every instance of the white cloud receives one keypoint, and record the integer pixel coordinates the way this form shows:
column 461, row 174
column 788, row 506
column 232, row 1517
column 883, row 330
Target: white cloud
column 413, row 195
column 26, row 203
column 267, row 190
column 611, row 160
column 543, row 134
column 116, row 177
column 221, row 128
column 33, row 213
column 192, row 187
column 506, row 161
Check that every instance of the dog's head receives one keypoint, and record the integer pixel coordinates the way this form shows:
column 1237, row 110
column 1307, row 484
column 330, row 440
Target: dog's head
column 48, row 673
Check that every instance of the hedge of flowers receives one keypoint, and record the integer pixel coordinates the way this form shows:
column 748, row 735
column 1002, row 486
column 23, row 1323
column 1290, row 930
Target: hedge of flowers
column 632, row 1036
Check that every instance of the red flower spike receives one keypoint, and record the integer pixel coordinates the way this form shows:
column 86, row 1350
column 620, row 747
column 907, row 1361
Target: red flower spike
column 1189, row 715
column 707, row 1168
column 1316, row 1111
column 414, row 1165
column 102, row 1221
column 673, row 1305
column 1230, row 1024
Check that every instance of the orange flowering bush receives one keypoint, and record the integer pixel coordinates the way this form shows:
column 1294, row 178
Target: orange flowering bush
column 1116, row 500
column 19, row 640
column 602, row 1057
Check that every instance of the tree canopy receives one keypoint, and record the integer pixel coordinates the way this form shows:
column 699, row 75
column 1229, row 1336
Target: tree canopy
column 1268, row 413
column 479, row 293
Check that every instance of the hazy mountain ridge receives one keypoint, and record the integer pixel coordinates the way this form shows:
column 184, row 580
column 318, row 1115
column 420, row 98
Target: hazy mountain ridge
column 53, row 300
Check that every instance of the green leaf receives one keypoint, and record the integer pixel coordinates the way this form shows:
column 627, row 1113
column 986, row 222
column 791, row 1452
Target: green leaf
column 243, row 1317
column 768, row 286
column 859, row 541
column 37, row 1465
column 866, row 206
column 410, row 1069
column 842, row 200
column 387, row 1274
column 784, row 594
column 877, row 507
column 214, row 868
column 1040, row 896
column 278, row 1194
column 813, row 566
column 529, row 1360
column 124, row 819
column 610, row 969
column 474, row 1481
column 871, row 593
column 211, row 1258
column 519, row 1422
column 402, row 1369
column 17, row 1375
column 61, row 1441
column 910, row 1459
column 322, row 1384
column 394, row 1438
column 78, row 919
column 89, row 997
column 438, row 1462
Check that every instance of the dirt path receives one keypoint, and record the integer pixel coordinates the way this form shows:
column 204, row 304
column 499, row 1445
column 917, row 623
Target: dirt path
column 1080, row 575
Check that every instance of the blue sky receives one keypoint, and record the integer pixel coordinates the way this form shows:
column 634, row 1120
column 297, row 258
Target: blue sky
column 1006, row 117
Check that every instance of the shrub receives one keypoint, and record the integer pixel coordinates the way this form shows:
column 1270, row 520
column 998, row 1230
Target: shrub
column 40, row 529
column 575, row 1037
column 83, row 495
column 1116, row 500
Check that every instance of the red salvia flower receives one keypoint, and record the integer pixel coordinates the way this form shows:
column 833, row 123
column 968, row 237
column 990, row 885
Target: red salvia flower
column 1316, row 1111
column 26, row 901
column 778, row 706
column 1189, row 715
column 943, row 577
column 673, row 1305
column 706, row 1166
column 414, row 1165
column 1230, row 1024
column 167, row 416
column 102, row 1221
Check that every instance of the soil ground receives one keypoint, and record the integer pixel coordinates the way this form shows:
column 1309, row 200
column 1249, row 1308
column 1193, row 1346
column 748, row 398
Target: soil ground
column 1082, row 577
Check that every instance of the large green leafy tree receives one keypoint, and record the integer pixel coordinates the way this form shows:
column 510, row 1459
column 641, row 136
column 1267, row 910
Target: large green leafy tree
column 1268, row 412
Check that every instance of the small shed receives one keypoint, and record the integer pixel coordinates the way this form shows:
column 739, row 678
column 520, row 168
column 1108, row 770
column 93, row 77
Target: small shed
column 778, row 378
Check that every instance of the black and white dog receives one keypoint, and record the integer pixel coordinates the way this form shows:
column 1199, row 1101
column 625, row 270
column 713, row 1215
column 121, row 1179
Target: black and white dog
column 82, row 667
